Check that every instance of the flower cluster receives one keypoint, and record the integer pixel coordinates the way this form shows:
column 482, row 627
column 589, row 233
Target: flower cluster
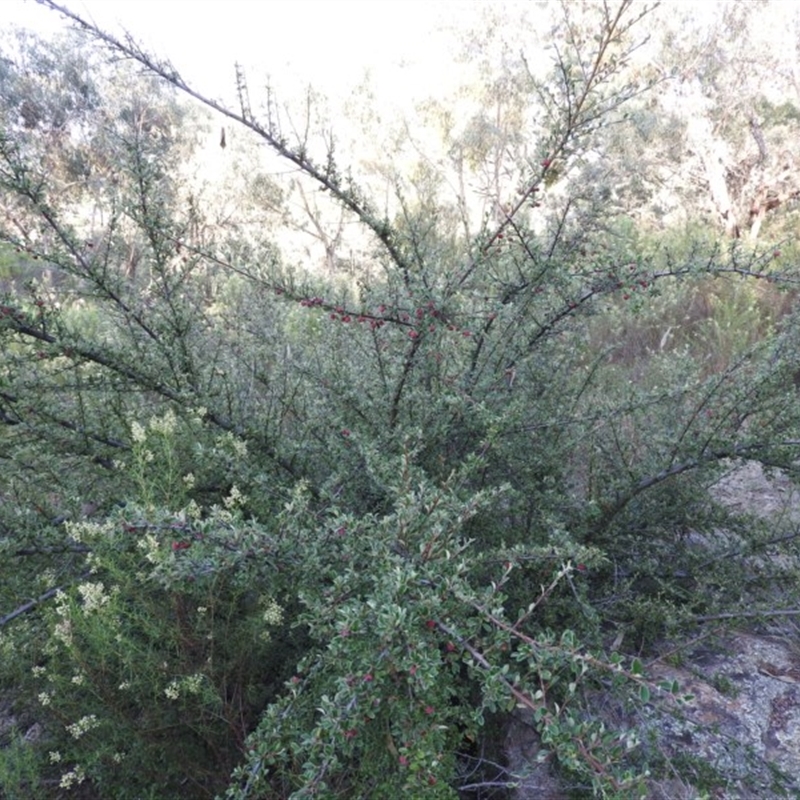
column 234, row 498
column 93, row 596
column 165, row 425
column 150, row 545
column 63, row 631
column 190, row 684
column 273, row 613
column 138, row 433
column 71, row 778
column 82, row 726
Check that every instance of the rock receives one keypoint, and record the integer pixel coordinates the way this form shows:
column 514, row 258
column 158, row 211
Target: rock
column 737, row 739
column 533, row 777
column 744, row 720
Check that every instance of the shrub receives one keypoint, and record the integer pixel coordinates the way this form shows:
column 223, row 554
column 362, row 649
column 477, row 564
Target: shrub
column 335, row 523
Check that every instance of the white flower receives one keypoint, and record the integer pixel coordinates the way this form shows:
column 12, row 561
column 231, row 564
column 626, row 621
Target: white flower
column 45, row 698
column 62, row 606
column 138, row 433
column 55, row 756
column 234, row 498
column 83, row 725
column 193, row 511
column 273, row 613
column 149, row 544
column 189, row 481
column 223, row 516
column 173, row 691
column 164, row 425
column 73, row 531
column 63, row 631
column 94, row 595
column 76, row 775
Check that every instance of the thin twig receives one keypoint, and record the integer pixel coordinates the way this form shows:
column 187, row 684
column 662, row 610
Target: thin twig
column 31, row 604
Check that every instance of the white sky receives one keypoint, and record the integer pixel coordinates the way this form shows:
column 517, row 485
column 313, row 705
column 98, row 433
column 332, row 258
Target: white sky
column 327, row 43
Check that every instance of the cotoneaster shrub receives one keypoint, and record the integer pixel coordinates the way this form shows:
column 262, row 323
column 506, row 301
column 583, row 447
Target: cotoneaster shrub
column 310, row 533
